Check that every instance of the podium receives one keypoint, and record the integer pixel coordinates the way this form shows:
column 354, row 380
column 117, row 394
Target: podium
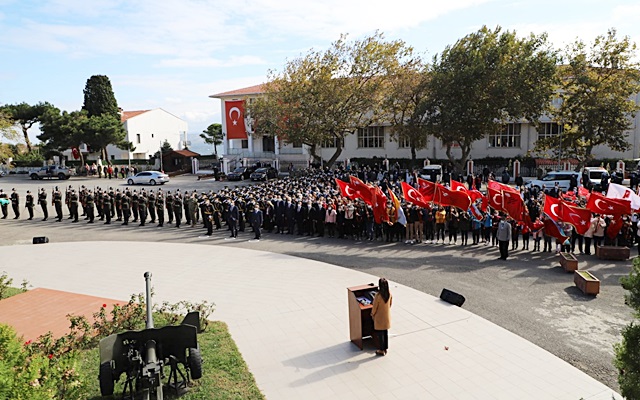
column 360, row 321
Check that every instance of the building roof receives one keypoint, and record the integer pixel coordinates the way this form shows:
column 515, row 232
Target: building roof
column 256, row 89
column 184, row 153
column 130, row 114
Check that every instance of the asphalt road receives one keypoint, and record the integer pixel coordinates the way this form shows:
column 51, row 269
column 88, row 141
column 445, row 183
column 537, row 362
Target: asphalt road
column 529, row 294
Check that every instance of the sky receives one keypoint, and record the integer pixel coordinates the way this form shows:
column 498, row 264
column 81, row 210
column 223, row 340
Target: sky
column 174, row 54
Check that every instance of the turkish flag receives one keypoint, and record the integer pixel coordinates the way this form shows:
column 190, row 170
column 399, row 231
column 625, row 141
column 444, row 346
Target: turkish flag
column 552, row 208
column 413, row 196
column 234, row 117
column 513, row 205
column 484, row 203
column 601, row 205
column 494, row 198
column 363, row 191
column 455, row 198
column 551, row 228
column 475, row 194
column 501, row 186
column 579, row 217
column 583, row 192
column 346, row 189
column 614, row 227
column 426, row 188
column 379, row 205
column 455, row 185
column 476, row 212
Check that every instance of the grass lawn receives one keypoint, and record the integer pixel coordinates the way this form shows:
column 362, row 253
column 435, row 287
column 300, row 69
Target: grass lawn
column 224, row 373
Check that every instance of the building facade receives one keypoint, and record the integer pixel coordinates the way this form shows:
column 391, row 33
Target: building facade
column 516, row 139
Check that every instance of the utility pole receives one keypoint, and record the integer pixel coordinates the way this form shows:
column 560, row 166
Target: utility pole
column 161, row 156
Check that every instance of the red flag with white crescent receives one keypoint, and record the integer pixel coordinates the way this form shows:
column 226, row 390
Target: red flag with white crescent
column 494, row 198
column 455, row 185
column 234, row 117
column 456, row 198
column 501, row 186
column 426, row 188
column 379, row 205
column 412, row 195
column 579, row 217
column 552, row 208
column 363, row 191
column 346, row 189
column 601, row 205
column 513, row 205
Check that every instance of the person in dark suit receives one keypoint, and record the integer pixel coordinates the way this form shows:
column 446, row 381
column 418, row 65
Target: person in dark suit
column 234, row 215
column 256, row 221
column 290, row 216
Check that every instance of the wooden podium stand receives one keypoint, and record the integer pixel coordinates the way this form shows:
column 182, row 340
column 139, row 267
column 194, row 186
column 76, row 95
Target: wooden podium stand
column 360, row 321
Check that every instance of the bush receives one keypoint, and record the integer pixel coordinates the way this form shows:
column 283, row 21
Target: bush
column 627, row 358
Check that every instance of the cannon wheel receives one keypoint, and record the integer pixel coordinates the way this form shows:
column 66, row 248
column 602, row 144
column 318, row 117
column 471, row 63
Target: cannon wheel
column 106, row 379
column 195, row 363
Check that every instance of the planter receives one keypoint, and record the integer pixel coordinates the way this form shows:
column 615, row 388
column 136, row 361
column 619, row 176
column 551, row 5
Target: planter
column 569, row 262
column 586, row 282
column 613, row 253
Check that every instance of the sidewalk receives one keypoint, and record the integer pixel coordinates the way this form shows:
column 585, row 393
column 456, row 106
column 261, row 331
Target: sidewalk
column 289, row 319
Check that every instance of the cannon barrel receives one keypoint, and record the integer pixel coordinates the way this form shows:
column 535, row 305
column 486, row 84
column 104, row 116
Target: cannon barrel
column 147, row 278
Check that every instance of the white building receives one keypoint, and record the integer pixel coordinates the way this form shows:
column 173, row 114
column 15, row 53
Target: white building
column 517, row 139
column 147, row 130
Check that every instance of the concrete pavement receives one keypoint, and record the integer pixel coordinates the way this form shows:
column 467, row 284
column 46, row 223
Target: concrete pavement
column 289, row 318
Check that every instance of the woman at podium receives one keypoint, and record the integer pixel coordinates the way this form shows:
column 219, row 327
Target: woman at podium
column 381, row 314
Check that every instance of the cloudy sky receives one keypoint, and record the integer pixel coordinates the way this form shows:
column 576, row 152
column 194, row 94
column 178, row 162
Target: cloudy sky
column 173, row 54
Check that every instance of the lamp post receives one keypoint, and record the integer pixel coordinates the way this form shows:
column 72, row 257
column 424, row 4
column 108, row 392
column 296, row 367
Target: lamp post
column 161, row 156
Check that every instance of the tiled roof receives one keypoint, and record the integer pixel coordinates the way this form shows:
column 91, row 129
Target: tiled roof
column 185, row 153
column 130, row 114
column 256, row 89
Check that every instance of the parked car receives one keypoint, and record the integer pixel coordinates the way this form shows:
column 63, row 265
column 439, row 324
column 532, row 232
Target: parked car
column 595, row 176
column 563, row 178
column 148, row 178
column 264, row 174
column 240, row 173
column 431, row 173
column 51, row 171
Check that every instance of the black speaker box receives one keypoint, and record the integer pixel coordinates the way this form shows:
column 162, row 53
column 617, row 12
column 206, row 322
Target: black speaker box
column 40, row 239
column 452, row 297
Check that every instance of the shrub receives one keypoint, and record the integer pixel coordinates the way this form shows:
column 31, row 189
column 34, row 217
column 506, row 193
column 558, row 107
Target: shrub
column 627, row 358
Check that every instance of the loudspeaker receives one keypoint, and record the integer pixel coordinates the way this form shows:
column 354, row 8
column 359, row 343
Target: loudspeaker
column 40, row 239
column 452, row 297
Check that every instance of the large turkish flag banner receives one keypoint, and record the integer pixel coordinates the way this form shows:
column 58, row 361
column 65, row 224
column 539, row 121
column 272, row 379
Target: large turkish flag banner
column 234, row 117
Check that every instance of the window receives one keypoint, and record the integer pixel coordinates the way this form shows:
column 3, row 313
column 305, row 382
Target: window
column 404, row 143
column 332, row 143
column 371, row 137
column 268, row 144
column 296, row 144
column 152, row 136
column 549, row 129
column 508, row 137
column 138, row 138
column 245, row 143
column 113, row 157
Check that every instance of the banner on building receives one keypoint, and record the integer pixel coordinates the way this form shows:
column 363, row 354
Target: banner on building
column 234, row 114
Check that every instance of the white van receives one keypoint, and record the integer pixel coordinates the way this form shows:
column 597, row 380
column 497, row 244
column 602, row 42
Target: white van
column 563, row 178
column 431, row 173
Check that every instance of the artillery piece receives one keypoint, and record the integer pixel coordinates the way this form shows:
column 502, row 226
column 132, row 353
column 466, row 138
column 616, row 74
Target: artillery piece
column 142, row 356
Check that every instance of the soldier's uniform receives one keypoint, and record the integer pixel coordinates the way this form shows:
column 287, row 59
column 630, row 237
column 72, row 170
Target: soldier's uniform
column 112, row 199
column 118, row 203
column 67, row 201
column 207, row 216
column 152, row 207
column 134, row 205
column 57, row 203
column 125, row 202
column 177, row 208
column 169, row 205
column 100, row 204
column 73, row 202
column 42, row 200
column 160, row 207
column 106, row 208
column 89, row 202
column 29, row 203
column 185, row 206
column 15, row 203
column 142, row 208
column 4, row 207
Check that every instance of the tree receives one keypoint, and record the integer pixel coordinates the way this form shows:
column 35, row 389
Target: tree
column 406, row 90
column 213, row 136
column 627, row 358
column 325, row 96
column 63, row 130
column 99, row 98
column 25, row 116
column 483, row 81
column 100, row 103
column 598, row 85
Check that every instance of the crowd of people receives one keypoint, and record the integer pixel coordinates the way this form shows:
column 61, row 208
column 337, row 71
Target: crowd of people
column 312, row 205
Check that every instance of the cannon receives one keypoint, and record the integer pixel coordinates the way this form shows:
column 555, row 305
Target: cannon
column 142, row 356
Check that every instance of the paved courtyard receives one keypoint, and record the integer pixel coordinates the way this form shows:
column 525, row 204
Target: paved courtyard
column 289, row 318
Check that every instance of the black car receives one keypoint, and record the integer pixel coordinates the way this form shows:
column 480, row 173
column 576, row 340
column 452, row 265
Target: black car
column 240, row 173
column 264, row 174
